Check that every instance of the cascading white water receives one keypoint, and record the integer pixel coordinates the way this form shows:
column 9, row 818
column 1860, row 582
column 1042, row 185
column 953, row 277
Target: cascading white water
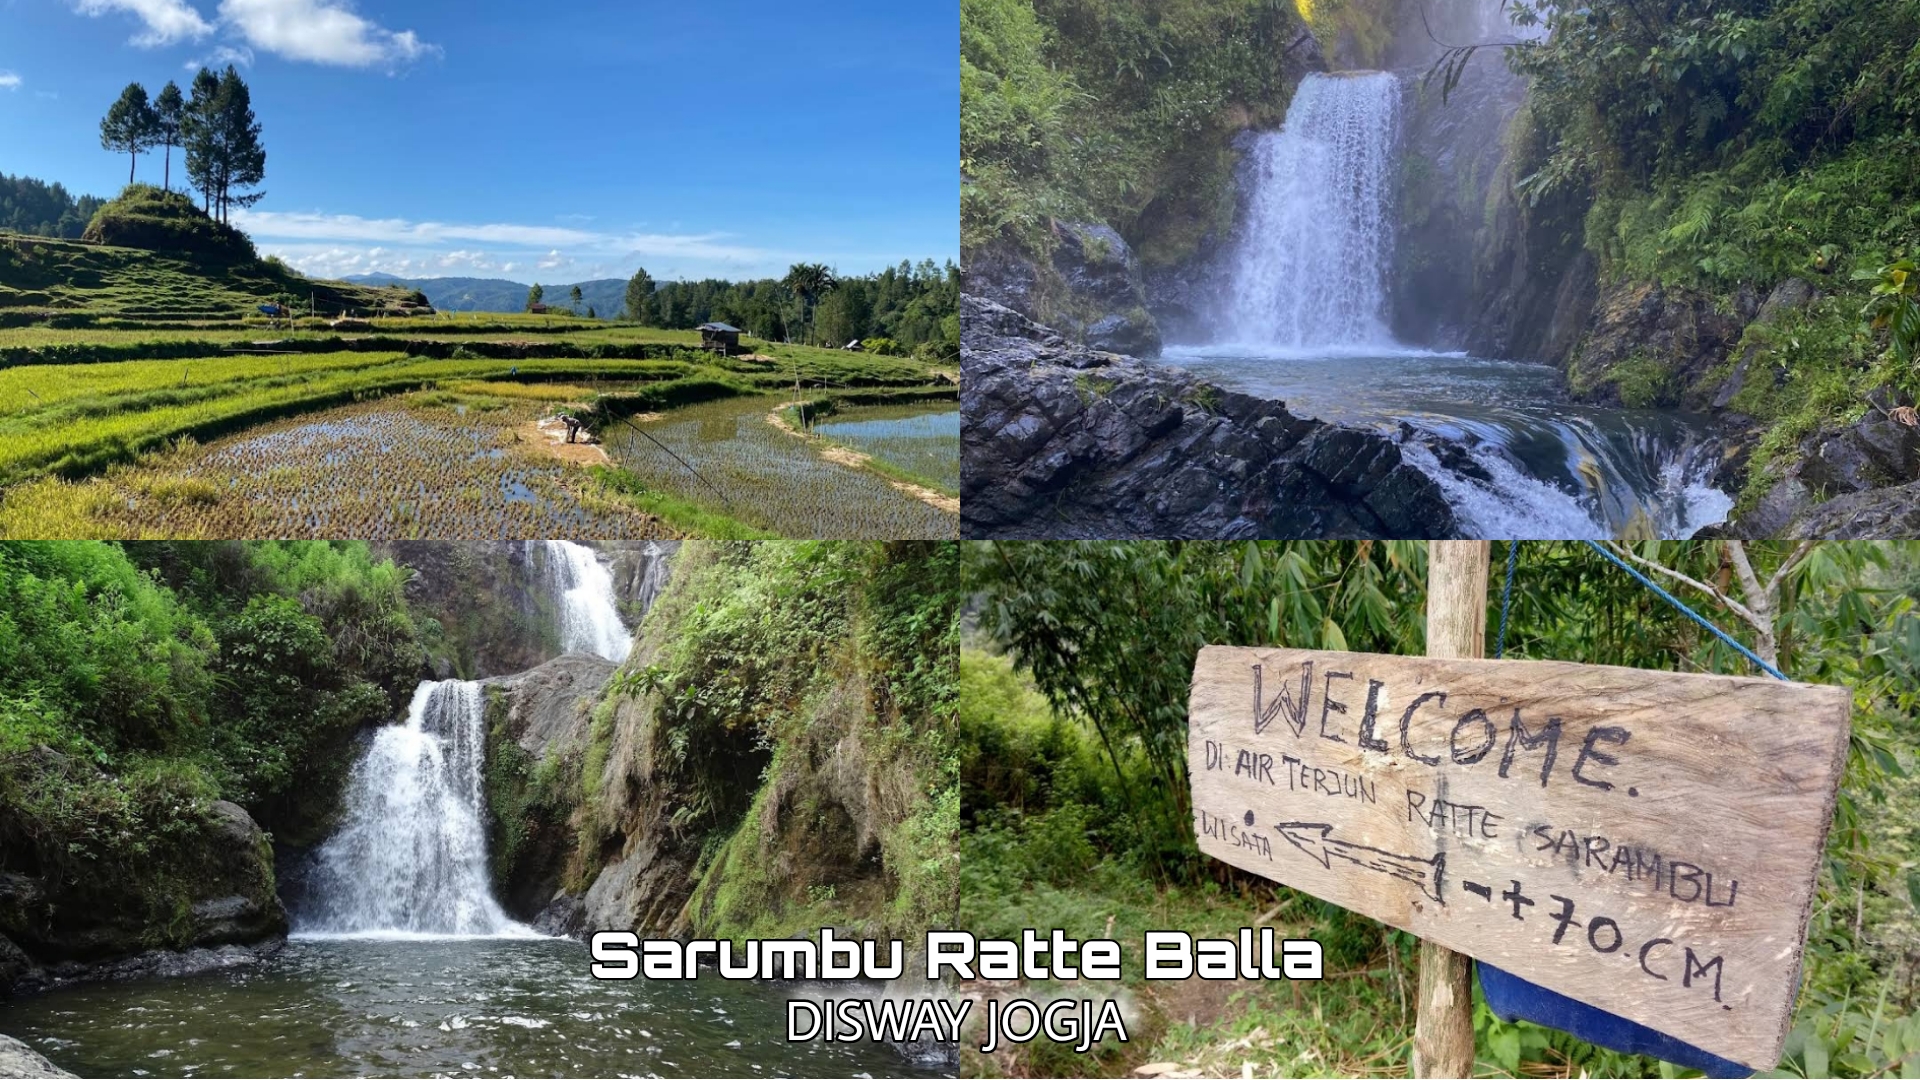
column 583, row 588
column 1310, row 267
column 653, row 580
column 411, row 854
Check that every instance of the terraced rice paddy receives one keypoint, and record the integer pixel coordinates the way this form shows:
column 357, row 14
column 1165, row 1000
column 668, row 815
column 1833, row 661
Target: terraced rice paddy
column 769, row 478
column 146, row 402
column 372, row 471
column 918, row 440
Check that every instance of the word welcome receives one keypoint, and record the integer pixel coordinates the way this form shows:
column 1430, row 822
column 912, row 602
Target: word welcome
column 1469, row 738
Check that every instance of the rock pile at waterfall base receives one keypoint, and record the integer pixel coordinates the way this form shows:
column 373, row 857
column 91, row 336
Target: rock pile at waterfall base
column 1064, row 441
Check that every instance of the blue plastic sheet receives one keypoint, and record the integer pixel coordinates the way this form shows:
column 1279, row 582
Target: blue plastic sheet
column 1513, row 998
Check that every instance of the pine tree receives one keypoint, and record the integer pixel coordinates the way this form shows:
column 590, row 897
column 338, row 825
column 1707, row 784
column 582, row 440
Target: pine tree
column 245, row 158
column 222, row 138
column 640, row 298
column 573, row 300
column 200, row 136
column 534, row 295
column 169, row 112
column 130, row 126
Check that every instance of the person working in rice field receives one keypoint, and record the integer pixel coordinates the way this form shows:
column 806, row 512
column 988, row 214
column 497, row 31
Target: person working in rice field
column 573, row 425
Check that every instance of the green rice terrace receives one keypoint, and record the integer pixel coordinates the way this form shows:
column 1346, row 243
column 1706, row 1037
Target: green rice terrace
column 144, row 392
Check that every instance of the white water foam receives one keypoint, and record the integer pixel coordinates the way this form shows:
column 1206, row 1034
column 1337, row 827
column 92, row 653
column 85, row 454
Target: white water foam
column 583, row 590
column 1309, row 271
column 410, row 859
column 1516, row 506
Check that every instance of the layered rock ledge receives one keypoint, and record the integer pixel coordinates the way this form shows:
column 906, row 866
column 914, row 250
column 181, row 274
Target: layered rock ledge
column 1063, row 441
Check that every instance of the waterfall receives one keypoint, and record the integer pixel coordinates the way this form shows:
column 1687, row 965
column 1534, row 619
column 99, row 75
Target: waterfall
column 583, row 589
column 411, row 854
column 1310, row 268
column 653, row 579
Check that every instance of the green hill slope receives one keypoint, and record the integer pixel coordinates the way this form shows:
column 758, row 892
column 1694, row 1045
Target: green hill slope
column 153, row 257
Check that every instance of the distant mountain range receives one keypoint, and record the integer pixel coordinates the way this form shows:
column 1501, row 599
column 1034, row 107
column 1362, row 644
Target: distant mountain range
column 606, row 296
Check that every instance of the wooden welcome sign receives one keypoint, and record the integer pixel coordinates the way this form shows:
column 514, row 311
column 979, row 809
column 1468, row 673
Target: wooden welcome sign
column 1643, row 841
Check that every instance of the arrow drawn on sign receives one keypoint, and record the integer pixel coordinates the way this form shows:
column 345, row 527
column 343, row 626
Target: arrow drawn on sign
column 1313, row 838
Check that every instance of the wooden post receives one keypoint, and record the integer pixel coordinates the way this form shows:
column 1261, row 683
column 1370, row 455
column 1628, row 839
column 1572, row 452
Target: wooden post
column 1456, row 628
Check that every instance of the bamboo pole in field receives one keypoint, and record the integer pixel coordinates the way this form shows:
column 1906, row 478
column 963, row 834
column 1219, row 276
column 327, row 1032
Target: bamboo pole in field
column 1456, row 628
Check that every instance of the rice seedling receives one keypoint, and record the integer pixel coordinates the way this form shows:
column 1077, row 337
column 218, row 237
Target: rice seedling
column 369, row 471
column 918, row 440
column 766, row 477
column 99, row 389
column 84, row 417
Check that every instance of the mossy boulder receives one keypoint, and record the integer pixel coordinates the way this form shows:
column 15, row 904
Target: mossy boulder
column 159, row 866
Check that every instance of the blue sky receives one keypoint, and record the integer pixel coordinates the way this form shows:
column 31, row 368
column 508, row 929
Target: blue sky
column 550, row 142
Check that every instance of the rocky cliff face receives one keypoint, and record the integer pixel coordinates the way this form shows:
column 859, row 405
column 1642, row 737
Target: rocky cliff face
column 495, row 613
column 1091, row 287
column 539, row 723
column 1063, row 441
column 695, row 816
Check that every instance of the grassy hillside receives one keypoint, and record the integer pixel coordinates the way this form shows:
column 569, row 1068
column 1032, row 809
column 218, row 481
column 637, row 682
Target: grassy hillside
column 152, row 257
column 66, row 284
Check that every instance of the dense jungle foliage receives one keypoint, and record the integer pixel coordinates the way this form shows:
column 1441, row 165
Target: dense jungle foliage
column 38, row 208
column 1122, row 110
column 1075, row 793
column 913, row 307
column 1727, row 147
column 140, row 682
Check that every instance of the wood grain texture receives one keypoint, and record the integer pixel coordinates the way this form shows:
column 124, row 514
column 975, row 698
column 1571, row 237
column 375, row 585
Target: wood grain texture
column 1456, row 629
column 1644, row 841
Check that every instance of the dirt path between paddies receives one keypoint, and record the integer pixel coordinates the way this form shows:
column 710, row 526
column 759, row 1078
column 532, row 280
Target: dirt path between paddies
column 854, row 459
column 550, row 435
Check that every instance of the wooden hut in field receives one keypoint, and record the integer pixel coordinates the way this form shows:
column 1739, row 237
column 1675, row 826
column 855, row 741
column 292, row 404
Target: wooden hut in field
column 721, row 338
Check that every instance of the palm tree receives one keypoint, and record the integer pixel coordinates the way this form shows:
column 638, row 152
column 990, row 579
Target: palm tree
column 809, row 282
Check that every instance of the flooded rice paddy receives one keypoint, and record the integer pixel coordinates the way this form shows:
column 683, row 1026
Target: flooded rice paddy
column 771, row 478
column 921, row 440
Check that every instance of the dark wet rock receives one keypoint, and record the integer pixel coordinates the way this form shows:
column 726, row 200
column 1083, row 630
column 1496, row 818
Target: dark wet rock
column 1063, row 441
column 1534, row 284
column 1651, row 345
column 1876, row 514
column 1860, row 481
column 1105, row 303
column 15, row 966
column 151, row 964
column 1449, row 155
column 19, row 1059
column 1789, row 296
column 564, row 914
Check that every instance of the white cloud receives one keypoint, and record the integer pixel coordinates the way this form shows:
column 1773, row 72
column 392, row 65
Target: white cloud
column 335, row 245
column 166, row 21
column 220, row 57
column 9, row 81
column 319, row 31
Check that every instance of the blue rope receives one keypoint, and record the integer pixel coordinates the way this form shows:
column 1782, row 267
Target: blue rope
column 1506, row 599
column 1684, row 610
